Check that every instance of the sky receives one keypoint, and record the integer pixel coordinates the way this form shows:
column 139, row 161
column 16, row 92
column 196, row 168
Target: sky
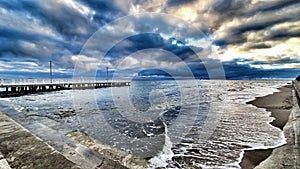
column 211, row 39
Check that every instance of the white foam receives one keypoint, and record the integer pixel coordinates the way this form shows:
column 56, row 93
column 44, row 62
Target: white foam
column 161, row 160
column 5, row 99
column 262, row 93
column 279, row 143
column 19, row 109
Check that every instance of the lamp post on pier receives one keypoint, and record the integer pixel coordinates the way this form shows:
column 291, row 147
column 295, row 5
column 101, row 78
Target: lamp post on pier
column 50, row 71
column 106, row 73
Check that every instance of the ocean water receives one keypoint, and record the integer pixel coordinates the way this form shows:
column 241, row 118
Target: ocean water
column 171, row 124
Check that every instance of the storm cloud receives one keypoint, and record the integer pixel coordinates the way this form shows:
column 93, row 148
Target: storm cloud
column 248, row 37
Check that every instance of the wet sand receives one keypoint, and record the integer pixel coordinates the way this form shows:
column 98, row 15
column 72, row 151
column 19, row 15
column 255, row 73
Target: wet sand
column 280, row 105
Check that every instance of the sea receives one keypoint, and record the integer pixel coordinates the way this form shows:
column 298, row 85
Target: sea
column 165, row 123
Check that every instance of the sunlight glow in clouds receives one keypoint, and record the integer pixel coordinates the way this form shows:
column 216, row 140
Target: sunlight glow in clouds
column 187, row 14
column 263, row 35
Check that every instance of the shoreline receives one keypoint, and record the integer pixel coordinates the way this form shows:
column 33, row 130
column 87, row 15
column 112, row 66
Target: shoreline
column 267, row 152
column 280, row 105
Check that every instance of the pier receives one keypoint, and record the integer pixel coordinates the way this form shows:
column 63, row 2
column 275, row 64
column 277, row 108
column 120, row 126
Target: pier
column 18, row 87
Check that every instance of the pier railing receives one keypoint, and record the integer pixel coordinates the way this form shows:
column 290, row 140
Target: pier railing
column 17, row 87
column 5, row 82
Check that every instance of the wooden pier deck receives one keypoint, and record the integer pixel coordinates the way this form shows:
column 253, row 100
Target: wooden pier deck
column 18, row 88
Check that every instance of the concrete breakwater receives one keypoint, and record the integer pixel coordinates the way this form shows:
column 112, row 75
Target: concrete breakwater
column 288, row 155
column 296, row 114
column 19, row 148
column 18, row 89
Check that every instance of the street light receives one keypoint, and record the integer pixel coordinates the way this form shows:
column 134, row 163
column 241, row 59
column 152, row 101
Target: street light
column 106, row 73
column 50, row 71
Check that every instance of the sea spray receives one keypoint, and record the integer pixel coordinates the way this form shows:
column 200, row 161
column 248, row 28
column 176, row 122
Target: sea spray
column 162, row 158
column 5, row 99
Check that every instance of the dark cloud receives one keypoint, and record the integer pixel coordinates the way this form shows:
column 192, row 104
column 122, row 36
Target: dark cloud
column 46, row 29
column 105, row 11
column 227, row 7
column 247, row 17
column 283, row 34
column 25, row 6
column 12, row 41
column 68, row 21
column 254, row 27
column 233, row 71
column 33, row 32
column 226, row 10
column 272, row 6
column 172, row 3
column 15, row 34
column 259, row 46
column 235, row 35
column 244, row 71
column 220, row 42
column 137, row 43
column 153, row 72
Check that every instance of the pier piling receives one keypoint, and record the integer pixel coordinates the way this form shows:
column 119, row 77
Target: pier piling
column 18, row 89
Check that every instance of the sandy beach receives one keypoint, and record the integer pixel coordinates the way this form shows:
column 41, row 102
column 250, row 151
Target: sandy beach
column 280, row 105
